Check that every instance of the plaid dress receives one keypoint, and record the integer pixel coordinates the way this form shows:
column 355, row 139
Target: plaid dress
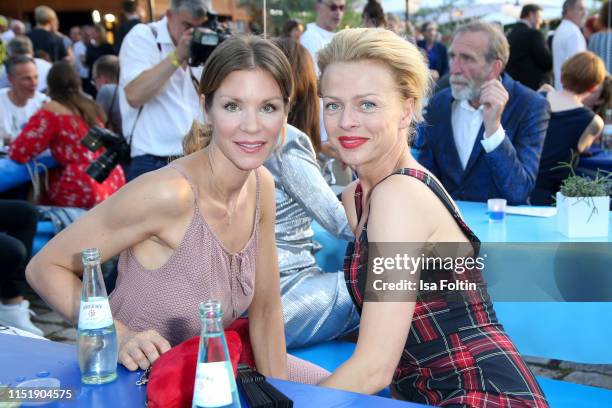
column 457, row 353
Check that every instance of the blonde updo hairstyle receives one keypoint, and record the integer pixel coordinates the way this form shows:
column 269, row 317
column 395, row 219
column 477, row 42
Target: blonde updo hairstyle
column 403, row 59
column 238, row 53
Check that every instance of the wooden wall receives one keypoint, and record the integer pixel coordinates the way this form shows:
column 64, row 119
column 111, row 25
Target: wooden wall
column 21, row 9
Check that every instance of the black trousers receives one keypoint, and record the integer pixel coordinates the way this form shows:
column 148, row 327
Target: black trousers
column 17, row 229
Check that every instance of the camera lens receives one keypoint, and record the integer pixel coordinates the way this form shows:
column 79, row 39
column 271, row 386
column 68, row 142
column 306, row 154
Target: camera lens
column 100, row 169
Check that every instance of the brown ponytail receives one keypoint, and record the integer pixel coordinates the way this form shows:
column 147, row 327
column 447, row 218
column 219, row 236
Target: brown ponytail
column 197, row 138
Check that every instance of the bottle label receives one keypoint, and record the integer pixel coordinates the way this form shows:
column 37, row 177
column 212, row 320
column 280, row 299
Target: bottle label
column 212, row 385
column 95, row 314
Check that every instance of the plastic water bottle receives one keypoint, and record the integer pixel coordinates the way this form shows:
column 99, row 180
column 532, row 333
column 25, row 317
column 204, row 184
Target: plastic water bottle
column 215, row 385
column 97, row 339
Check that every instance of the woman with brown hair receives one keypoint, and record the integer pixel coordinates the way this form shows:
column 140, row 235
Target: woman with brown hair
column 292, row 29
column 60, row 125
column 304, row 112
column 600, row 100
column 316, row 304
column 201, row 228
column 373, row 15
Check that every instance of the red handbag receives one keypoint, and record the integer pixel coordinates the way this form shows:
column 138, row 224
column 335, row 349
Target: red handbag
column 172, row 375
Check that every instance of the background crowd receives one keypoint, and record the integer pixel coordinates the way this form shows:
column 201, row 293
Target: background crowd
column 505, row 110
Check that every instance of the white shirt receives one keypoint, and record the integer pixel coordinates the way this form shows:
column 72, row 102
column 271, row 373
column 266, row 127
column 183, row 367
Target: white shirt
column 42, row 67
column 13, row 118
column 466, row 122
column 79, row 50
column 7, row 36
column 315, row 38
column 166, row 118
column 567, row 41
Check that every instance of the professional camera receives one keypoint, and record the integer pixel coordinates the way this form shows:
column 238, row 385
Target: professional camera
column 205, row 39
column 117, row 151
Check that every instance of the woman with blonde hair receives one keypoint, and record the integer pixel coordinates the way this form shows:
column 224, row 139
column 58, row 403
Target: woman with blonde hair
column 201, row 228
column 443, row 348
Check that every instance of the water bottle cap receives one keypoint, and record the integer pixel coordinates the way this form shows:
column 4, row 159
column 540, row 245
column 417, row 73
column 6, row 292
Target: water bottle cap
column 211, row 309
column 90, row 255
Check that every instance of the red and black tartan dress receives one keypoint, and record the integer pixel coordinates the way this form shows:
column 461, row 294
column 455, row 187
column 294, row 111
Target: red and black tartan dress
column 457, row 353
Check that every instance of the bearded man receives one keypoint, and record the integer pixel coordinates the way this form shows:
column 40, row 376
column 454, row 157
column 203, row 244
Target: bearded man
column 483, row 136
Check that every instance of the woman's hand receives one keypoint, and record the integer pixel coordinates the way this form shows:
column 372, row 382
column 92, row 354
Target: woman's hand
column 546, row 88
column 140, row 349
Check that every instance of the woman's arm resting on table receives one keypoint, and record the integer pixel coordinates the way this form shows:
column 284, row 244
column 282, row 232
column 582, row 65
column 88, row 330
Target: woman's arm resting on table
column 135, row 213
column 139, row 349
column 384, row 326
column 266, row 325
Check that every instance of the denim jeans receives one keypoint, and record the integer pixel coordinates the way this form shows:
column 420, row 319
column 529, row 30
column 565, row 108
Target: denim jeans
column 144, row 164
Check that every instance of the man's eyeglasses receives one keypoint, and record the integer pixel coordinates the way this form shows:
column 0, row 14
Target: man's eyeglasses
column 334, row 7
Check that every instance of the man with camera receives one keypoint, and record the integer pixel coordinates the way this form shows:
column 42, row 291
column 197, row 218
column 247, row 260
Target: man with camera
column 160, row 101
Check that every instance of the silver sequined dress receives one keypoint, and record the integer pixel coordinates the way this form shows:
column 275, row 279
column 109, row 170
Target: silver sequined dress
column 316, row 303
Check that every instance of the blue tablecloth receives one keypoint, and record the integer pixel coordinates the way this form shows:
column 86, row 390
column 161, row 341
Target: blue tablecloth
column 517, row 228
column 12, row 174
column 599, row 159
column 547, row 269
column 25, row 357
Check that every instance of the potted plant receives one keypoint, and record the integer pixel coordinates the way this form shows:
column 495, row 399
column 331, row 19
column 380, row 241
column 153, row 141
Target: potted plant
column 583, row 205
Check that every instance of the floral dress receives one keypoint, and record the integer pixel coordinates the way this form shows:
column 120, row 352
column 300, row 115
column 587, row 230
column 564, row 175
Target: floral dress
column 69, row 184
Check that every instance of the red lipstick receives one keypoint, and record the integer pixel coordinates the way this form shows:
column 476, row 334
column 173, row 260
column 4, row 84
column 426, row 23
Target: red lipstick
column 351, row 142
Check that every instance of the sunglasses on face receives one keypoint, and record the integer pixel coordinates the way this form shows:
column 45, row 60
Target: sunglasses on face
column 334, row 7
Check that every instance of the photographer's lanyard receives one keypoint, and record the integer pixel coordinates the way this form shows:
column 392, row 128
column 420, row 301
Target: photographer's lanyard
column 194, row 81
column 110, row 110
column 131, row 136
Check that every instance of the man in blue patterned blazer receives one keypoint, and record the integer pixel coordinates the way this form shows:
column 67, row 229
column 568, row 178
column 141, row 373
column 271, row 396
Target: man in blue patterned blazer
column 483, row 136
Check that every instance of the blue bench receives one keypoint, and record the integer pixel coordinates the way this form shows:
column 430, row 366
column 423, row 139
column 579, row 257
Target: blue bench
column 44, row 233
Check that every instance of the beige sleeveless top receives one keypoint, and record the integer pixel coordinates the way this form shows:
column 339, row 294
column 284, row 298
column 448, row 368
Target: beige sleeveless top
column 167, row 299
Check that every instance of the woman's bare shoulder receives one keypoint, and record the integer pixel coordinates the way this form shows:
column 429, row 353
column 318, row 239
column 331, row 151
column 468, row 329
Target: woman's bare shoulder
column 399, row 187
column 166, row 190
column 407, row 205
column 56, row 107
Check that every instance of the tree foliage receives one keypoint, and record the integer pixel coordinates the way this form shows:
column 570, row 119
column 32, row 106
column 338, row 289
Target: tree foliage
column 303, row 10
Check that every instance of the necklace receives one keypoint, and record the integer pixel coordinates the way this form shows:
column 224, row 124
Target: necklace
column 231, row 207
